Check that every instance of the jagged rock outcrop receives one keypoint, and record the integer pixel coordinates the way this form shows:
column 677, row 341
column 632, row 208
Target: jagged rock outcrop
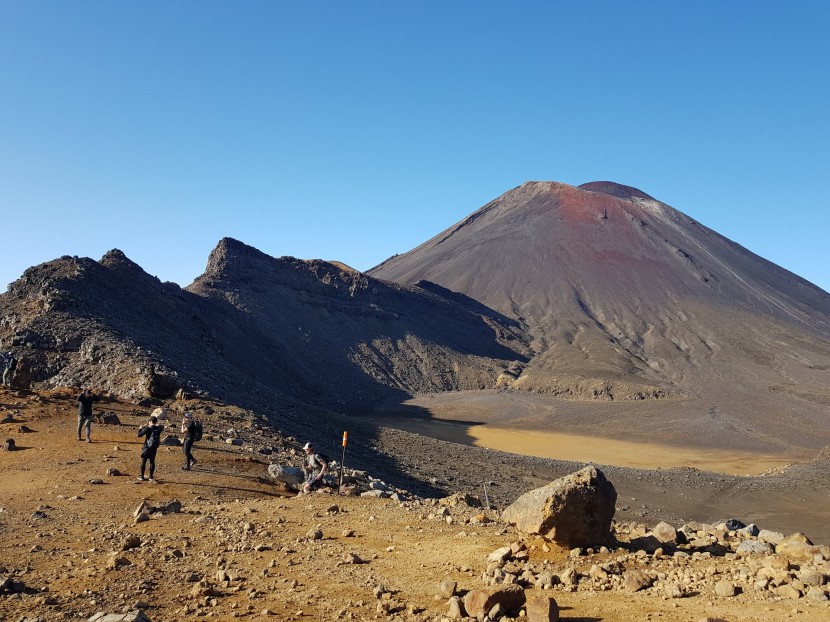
column 252, row 329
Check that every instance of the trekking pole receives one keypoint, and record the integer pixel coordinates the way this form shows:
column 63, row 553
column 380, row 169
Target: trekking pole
column 486, row 499
column 340, row 485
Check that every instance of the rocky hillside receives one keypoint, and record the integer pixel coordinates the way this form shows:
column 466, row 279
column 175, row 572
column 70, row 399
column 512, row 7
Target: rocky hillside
column 627, row 299
column 252, row 330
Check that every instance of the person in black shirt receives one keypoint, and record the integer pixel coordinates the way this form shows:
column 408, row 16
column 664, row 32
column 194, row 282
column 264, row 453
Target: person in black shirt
column 85, row 400
column 189, row 431
column 9, row 367
column 151, row 445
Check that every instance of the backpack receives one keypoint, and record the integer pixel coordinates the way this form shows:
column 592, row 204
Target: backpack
column 197, row 431
column 153, row 438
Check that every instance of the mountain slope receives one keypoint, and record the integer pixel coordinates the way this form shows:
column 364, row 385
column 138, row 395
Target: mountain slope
column 627, row 298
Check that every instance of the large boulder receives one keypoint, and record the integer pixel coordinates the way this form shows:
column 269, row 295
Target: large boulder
column 573, row 511
column 292, row 476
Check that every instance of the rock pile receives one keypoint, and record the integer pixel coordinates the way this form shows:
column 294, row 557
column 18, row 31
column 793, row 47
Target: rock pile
column 696, row 560
column 355, row 482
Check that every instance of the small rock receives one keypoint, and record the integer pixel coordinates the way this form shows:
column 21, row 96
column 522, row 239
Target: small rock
column 725, row 588
column 447, row 589
column 636, row 580
column 132, row 541
column 456, row 609
column 541, row 608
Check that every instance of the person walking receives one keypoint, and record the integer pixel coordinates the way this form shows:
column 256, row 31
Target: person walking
column 9, row 368
column 189, row 431
column 85, row 401
column 315, row 467
column 152, row 431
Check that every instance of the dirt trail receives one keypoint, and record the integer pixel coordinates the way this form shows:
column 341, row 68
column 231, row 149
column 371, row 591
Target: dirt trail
column 240, row 547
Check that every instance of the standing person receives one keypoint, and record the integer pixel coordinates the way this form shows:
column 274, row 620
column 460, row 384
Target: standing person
column 151, row 445
column 9, row 367
column 85, row 400
column 189, row 431
column 314, row 468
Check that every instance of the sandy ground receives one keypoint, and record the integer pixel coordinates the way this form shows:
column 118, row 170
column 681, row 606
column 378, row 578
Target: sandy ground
column 533, row 425
column 240, row 545
column 577, row 448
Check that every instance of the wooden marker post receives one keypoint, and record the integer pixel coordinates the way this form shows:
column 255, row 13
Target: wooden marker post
column 340, row 485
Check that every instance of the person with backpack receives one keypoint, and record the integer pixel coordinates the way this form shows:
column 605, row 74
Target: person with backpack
column 85, row 401
column 314, row 468
column 9, row 367
column 192, row 433
column 151, row 445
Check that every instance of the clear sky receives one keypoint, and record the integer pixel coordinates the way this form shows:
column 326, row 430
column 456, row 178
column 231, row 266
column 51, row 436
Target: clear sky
column 355, row 130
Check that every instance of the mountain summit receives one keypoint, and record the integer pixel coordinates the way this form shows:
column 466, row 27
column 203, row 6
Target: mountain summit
column 627, row 298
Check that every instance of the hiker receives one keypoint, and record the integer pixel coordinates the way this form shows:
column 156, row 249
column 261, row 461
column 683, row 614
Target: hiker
column 151, row 445
column 189, row 431
column 9, row 367
column 314, row 467
column 85, row 400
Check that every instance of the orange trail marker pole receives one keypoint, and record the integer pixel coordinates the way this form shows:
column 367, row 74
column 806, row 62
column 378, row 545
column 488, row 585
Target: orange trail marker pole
column 340, row 485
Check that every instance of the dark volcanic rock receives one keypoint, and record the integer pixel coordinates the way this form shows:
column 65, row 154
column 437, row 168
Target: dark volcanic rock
column 253, row 329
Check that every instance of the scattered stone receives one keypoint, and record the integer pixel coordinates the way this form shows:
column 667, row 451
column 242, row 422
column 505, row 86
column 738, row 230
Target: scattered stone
column 132, row 616
column 447, row 589
column 171, row 507
column 725, row 588
column 753, row 547
column 109, row 419
column 499, row 556
column 132, row 541
column 9, row 445
column 664, row 533
column 456, row 609
column 96, row 481
column 480, row 602
column 114, row 472
column 541, row 608
column 461, row 498
column 116, row 563
column 636, row 580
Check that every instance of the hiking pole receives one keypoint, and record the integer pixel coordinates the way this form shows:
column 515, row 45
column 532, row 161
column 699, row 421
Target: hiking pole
column 340, row 485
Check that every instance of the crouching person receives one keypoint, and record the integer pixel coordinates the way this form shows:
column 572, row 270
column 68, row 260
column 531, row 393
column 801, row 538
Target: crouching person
column 315, row 467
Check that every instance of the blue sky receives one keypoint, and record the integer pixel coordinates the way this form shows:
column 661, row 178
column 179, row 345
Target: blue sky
column 356, row 130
